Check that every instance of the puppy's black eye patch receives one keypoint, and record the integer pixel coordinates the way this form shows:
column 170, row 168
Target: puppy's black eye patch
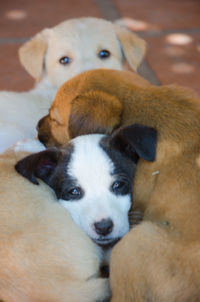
column 65, row 60
column 121, row 187
column 72, row 193
column 104, row 54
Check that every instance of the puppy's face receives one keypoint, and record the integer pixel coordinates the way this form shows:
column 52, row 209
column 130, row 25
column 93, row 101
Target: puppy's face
column 92, row 178
column 80, row 45
column 73, row 46
column 96, row 188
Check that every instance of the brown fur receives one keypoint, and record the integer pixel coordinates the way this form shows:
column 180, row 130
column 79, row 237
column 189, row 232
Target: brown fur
column 159, row 260
column 44, row 256
column 87, row 104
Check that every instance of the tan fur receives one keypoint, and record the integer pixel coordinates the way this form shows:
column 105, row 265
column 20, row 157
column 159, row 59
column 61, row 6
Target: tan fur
column 44, row 256
column 32, row 54
column 159, row 260
column 133, row 47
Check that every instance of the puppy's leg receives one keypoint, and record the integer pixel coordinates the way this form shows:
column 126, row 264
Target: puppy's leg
column 149, row 264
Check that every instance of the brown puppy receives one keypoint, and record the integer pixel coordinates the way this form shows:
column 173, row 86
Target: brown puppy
column 87, row 104
column 159, row 260
column 44, row 256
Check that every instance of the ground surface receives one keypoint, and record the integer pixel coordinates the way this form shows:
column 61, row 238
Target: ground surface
column 171, row 28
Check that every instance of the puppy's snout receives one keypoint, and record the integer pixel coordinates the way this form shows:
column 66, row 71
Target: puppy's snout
column 43, row 130
column 43, row 138
column 39, row 124
column 104, row 227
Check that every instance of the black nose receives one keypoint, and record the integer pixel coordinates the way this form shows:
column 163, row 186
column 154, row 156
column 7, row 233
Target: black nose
column 104, row 227
column 43, row 138
column 39, row 124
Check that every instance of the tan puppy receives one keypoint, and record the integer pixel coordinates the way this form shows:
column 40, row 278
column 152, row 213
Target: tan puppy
column 44, row 256
column 159, row 260
column 55, row 55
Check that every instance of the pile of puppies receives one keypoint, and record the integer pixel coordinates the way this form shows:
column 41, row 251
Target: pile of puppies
column 143, row 143
column 44, row 256
column 158, row 260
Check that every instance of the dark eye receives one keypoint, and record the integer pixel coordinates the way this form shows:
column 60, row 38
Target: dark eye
column 120, row 187
column 104, row 54
column 73, row 194
column 65, row 60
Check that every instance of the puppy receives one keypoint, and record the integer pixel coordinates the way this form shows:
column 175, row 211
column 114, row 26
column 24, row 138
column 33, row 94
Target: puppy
column 93, row 180
column 55, row 55
column 88, row 103
column 159, row 259
column 44, row 255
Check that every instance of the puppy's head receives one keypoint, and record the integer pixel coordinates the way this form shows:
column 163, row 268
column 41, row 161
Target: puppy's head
column 91, row 112
column 76, row 45
column 92, row 177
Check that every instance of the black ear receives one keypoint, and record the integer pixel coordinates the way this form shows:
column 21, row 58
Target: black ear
column 136, row 140
column 39, row 165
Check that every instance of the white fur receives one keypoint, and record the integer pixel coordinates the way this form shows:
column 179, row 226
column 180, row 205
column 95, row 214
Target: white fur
column 29, row 145
column 19, row 113
column 93, row 168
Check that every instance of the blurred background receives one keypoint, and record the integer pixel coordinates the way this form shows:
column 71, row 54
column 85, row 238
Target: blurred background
column 170, row 27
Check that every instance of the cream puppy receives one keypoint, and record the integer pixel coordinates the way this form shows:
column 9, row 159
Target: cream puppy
column 55, row 55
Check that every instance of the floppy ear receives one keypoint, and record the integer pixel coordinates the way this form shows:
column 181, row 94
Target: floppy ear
column 136, row 140
column 32, row 54
column 133, row 47
column 94, row 112
column 39, row 165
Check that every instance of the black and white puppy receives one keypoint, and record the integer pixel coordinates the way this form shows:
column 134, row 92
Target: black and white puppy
column 92, row 177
